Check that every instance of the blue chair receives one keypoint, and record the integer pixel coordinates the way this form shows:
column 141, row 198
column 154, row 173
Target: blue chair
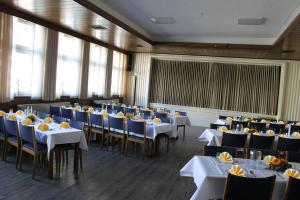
column 165, row 120
column 182, row 113
column 54, row 110
column 182, row 126
column 84, row 117
column 42, row 115
column 136, row 131
column 118, row 109
column 30, row 145
column 2, row 135
column 146, row 113
column 97, row 126
column 12, row 138
column 67, row 113
column 109, row 106
column 116, row 129
column 77, row 124
column 129, row 110
column 58, row 119
column 161, row 115
column 214, row 150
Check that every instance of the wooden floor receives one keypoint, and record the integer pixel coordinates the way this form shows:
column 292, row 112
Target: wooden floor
column 108, row 175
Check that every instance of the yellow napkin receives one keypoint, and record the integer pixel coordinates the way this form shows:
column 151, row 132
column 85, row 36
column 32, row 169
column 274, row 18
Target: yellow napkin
column 237, row 170
column 225, row 157
column 177, row 114
column 246, row 130
column 105, row 114
column 281, row 122
column 229, row 119
column 282, row 135
column 291, row 173
column 223, row 128
column 263, row 121
column 48, row 120
column 137, row 117
column 2, row 113
column 268, row 159
column 43, row 127
column 270, row 133
column 33, row 117
column 156, row 120
column 298, row 123
column 120, row 114
column 296, row 135
column 12, row 117
column 256, row 133
column 77, row 108
column 90, row 109
column 129, row 115
column 20, row 112
column 27, row 121
column 64, row 125
column 247, row 119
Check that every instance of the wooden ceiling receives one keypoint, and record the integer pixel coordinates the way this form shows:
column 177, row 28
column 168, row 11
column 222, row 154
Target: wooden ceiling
column 77, row 18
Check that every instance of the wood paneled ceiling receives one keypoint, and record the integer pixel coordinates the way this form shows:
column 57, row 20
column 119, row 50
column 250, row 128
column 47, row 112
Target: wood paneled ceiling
column 76, row 17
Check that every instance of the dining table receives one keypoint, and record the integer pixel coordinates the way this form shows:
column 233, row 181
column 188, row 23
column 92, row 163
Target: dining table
column 209, row 175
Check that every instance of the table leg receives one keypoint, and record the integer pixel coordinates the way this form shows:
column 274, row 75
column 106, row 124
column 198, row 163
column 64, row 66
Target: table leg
column 76, row 158
column 50, row 165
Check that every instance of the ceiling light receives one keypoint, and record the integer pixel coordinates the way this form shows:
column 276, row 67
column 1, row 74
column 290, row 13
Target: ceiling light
column 163, row 20
column 252, row 21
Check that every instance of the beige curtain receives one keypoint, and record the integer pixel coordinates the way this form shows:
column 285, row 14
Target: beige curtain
column 236, row 87
column 123, row 75
column 50, row 66
column 109, row 66
column 6, row 27
column 85, row 71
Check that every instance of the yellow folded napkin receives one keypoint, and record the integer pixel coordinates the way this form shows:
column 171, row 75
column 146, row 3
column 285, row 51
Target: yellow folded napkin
column 156, row 120
column 105, row 114
column 177, row 114
column 247, row 119
column 223, row 129
column 270, row 133
column 12, row 117
column 129, row 115
column 225, row 157
column 43, row 127
column 282, row 135
column 20, row 112
column 268, row 159
column 229, row 119
column 77, row 108
column 26, row 122
column 280, row 122
column 48, row 120
column 2, row 113
column 291, row 173
column 298, row 123
column 120, row 114
column 64, row 125
column 256, row 133
column 237, row 170
column 263, row 121
column 33, row 117
column 146, row 109
column 137, row 117
column 296, row 135
column 90, row 110
column 246, row 130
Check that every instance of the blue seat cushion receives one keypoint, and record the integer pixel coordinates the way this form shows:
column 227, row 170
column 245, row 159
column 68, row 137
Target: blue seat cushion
column 12, row 138
column 2, row 136
column 39, row 146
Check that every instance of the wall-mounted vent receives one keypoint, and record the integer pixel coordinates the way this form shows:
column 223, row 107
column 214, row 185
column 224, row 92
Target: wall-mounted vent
column 252, row 21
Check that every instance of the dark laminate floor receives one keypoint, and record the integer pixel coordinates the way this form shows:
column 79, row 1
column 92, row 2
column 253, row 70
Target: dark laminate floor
column 109, row 176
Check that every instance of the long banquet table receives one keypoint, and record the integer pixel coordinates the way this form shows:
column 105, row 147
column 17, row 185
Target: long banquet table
column 210, row 174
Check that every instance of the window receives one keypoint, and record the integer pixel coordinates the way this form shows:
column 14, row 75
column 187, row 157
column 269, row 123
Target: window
column 97, row 70
column 27, row 65
column 68, row 66
column 118, row 74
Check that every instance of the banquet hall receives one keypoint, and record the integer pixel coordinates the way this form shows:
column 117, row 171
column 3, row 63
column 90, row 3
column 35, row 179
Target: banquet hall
column 160, row 99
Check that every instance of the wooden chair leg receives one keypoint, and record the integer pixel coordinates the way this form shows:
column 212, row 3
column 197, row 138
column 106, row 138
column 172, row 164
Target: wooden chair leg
column 126, row 146
column 21, row 160
column 183, row 133
column 18, row 157
column 34, row 166
column 3, row 150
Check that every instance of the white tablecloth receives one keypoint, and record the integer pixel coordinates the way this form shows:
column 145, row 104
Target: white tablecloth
column 57, row 135
column 221, row 122
column 179, row 121
column 210, row 176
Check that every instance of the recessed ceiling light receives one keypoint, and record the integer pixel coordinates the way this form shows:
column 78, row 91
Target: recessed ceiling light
column 163, row 20
column 99, row 27
column 252, row 21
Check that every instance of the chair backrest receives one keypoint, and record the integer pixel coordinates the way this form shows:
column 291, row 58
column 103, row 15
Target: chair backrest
column 109, row 106
column 161, row 115
column 67, row 113
column 136, row 127
column 264, row 152
column 118, row 109
column 238, row 188
column 261, row 142
column 182, row 113
column 288, row 144
column 129, row 110
column 277, row 128
column 235, row 123
column 96, row 120
column 116, row 123
column 224, row 117
column 165, row 120
column 2, row 129
column 27, row 133
column 258, row 126
column 292, row 122
column 42, row 115
column 295, row 128
column 216, row 126
column 54, row 110
column 11, row 127
column 77, row 124
column 214, row 150
column 293, row 156
column 58, row 119
column 234, row 140
column 292, row 191
column 81, row 116
column 146, row 113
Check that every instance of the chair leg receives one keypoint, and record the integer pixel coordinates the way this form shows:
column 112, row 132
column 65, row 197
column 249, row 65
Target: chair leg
column 168, row 142
column 34, row 166
column 21, row 160
column 18, row 157
column 80, row 159
column 67, row 156
column 183, row 133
